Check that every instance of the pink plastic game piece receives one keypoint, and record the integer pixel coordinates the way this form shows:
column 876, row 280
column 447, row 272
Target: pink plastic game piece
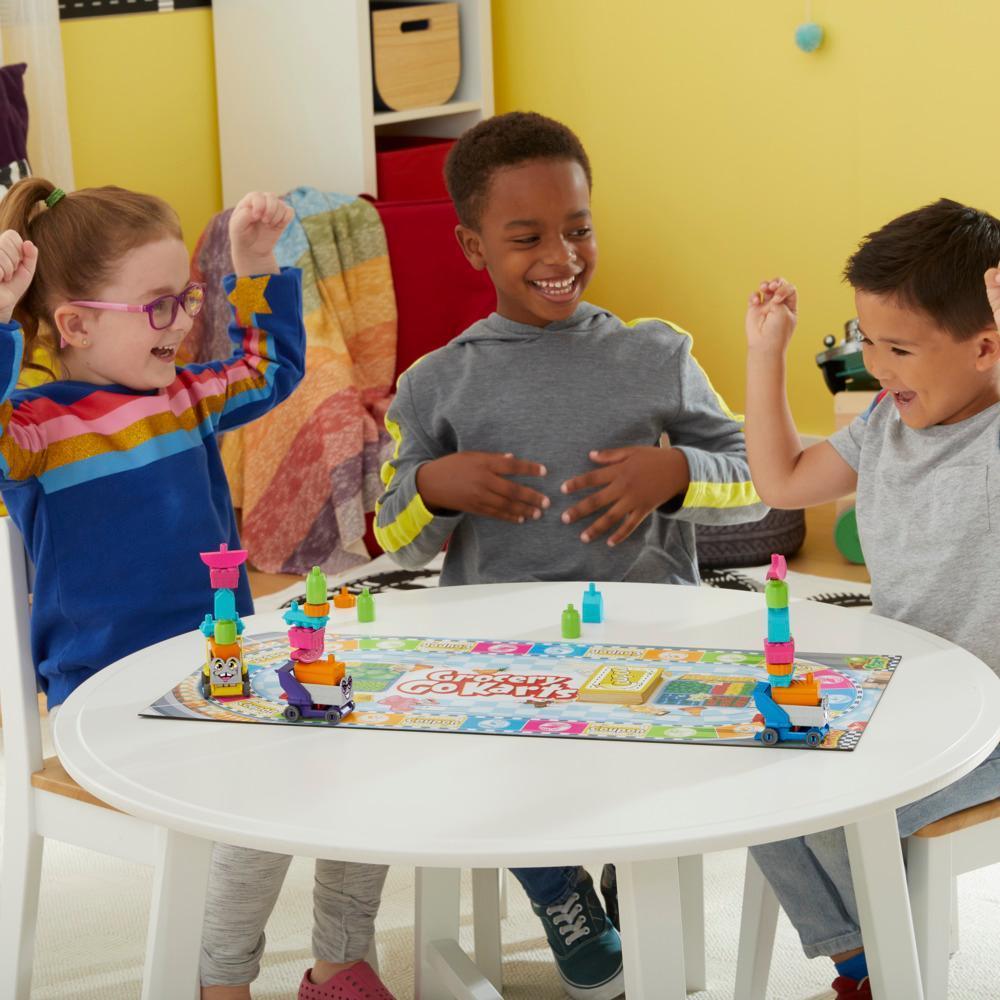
column 779, row 568
column 224, row 566
column 779, row 652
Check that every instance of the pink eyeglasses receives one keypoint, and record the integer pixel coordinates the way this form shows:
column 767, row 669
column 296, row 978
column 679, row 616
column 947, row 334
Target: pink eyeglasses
column 161, row 311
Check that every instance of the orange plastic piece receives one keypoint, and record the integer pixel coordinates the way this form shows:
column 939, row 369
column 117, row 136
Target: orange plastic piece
column 780, row 669
column 328, row 671
column 799, row 692
column 316, row 610
column 345, row 599
column 225, row 651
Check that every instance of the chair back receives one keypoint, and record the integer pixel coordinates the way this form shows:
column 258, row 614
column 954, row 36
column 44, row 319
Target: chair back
column 22, row 734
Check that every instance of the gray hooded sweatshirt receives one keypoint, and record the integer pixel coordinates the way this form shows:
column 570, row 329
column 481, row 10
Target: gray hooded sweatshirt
column 552, row 395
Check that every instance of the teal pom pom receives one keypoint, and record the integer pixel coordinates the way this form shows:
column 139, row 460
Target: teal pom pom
column 809, row 36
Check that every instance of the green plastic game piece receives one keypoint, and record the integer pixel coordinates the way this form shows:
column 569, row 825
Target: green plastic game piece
column 845, row 537
column 366, row 606
column 316, row 586
column 570, row 623
column 225, row 632
column 776, row 594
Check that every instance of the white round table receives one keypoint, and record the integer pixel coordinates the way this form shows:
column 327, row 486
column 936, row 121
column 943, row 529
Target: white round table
column 441, row 801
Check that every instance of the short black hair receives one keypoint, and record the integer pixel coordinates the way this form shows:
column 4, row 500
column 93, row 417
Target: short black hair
column 504, row 141
column 932, row 260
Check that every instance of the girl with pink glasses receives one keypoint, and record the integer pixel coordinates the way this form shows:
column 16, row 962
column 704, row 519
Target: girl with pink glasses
column 111, row 471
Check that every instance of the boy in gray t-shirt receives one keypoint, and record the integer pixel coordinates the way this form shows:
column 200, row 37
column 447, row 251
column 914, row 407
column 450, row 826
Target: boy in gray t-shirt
column 925, row 463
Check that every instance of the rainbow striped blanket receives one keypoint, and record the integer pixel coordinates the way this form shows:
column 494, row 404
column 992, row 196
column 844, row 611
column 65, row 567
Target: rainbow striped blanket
column 305, row 474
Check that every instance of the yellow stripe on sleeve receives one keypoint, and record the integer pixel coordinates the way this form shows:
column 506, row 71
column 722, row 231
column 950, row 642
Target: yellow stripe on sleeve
column 721, row 495
column 414, row 517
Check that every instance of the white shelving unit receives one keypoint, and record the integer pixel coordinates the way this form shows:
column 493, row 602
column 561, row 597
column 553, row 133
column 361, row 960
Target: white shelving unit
column 294, row 82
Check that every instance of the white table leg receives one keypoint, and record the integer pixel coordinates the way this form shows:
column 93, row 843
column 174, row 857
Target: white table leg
column 438, row 905
column 884, row 907
column 486, row 923
column 758, row 923
column 177, row 914
column 692, row 875
column 649, row 905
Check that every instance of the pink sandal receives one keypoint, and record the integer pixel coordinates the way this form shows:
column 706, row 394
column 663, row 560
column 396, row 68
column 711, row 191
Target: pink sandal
column 359, row 982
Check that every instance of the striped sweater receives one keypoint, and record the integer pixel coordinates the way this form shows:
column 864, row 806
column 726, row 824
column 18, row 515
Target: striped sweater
column 116, row 491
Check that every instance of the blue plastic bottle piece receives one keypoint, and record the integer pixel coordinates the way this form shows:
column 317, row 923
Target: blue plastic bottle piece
column 593, row 604
column 778, row 626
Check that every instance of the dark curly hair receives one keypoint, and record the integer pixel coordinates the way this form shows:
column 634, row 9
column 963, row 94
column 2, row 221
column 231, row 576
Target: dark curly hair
column 504, row 141
column 932, row 260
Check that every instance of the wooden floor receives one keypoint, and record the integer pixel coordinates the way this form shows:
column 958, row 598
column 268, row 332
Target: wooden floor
column 818, row 556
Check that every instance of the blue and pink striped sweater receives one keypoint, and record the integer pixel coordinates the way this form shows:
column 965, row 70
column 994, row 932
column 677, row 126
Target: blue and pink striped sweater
column 116, row 491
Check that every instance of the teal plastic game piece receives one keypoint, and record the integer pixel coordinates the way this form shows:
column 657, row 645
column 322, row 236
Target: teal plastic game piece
column 593, row 604
column 778, row 626
column 570, row 623
column 316, row 586
column 366, row 606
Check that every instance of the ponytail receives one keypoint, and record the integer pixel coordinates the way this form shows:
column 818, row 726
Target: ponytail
column 81, row 237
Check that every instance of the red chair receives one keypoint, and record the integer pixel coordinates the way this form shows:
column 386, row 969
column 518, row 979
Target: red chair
column 438, row 293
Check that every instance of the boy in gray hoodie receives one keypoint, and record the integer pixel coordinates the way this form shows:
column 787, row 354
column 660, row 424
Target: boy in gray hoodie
column 533, row 441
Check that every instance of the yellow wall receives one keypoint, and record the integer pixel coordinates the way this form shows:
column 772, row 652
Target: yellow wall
column 142, row 114
column 722, row 154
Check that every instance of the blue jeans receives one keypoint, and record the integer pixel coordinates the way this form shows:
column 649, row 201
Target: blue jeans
column 545, row 886
column 811, row 876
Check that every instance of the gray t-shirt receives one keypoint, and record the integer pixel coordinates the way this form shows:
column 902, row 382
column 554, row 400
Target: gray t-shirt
column 927, row 501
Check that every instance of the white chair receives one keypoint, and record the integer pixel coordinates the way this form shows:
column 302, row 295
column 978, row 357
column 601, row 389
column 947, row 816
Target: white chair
column 935, row 856
column 43, row 801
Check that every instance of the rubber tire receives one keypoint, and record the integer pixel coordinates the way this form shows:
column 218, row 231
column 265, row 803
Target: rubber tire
column 769, row 737
column 291, row 713
column 813, row 738
column 333, row 716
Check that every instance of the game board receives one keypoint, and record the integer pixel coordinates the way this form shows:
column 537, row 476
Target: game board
column 514, row 688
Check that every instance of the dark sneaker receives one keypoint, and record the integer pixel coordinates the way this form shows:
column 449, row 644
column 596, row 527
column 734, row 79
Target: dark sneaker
column 587, row 948
column 852, row 989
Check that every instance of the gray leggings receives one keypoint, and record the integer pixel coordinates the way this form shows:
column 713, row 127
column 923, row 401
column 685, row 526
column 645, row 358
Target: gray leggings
column 242, row 890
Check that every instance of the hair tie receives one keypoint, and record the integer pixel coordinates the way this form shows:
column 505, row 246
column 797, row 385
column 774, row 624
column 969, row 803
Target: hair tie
column 57, row 193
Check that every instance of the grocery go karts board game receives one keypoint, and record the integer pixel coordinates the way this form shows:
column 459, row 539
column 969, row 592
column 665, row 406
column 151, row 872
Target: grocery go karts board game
column 515, row 688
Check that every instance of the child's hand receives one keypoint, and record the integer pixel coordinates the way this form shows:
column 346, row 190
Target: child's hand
column 255, row 226
column 476, row 482
column 992, row 277
column 17, row 267
column 635, row 482
column 771, row 316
